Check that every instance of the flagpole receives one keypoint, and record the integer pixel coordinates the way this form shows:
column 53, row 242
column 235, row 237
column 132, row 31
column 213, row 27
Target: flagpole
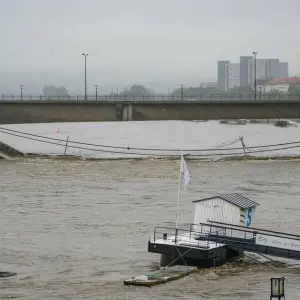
column 178, row 196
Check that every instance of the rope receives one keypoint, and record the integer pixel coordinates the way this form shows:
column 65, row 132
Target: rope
column 180, row 255
column 178, row 258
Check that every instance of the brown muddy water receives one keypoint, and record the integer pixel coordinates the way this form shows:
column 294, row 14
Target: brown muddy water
column 76, row 229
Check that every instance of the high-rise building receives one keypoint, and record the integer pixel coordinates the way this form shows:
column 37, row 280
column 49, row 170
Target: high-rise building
column 245, row 75
column 265, row 69
column 262, row 69
column 234, row 75
column 223, row 74
column 250, row 72
column 273, row 68
column 283, row 69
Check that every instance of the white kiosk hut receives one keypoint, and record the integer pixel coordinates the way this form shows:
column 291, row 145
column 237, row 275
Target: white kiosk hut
column 232, row 209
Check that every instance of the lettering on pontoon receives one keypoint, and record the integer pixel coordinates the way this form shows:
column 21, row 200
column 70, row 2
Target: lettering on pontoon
column 278, row 242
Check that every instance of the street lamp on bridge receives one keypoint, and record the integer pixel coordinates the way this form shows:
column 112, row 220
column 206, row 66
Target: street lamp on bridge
column 254, row 54
column 85, row 56
column 21, row 88
column 96, row 88
column 181, row 92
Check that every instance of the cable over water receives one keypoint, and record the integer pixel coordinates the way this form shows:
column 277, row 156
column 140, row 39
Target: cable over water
column 218, row 151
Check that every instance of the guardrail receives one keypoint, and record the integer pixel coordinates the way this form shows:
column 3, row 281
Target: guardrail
column 251, row 230
column 155, row 97
column 219, row 231
column 180, row 235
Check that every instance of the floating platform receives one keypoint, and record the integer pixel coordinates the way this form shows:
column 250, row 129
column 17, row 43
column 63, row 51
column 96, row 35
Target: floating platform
column 7, row 274
column 7, row 151
column 234, row 122
column 161, row 276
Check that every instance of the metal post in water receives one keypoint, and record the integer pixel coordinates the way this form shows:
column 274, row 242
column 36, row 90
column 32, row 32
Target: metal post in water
column 66, row 147
column 243, row 144
column 277, row 288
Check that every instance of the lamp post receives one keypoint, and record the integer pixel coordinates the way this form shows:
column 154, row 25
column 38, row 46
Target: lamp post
column 21, row 88
column 260, row 90
column 181, row 92
column 254, row 54
column 85, row 56
column 96, row 88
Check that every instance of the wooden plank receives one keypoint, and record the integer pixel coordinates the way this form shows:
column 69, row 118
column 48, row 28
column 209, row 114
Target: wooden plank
column 161, row 276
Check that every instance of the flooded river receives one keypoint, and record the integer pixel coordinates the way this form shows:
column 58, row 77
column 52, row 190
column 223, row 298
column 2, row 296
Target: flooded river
column 75, row 229
column 119, row 139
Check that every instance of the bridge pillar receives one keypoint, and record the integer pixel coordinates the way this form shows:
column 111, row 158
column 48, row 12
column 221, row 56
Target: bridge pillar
column 123, row 112
column 127, row 112
column 119, row 111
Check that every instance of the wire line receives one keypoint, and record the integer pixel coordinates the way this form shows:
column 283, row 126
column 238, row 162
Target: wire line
column 57, row 142
column 149, row 149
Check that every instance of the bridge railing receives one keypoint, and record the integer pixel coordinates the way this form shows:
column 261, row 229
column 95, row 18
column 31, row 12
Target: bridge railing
column 154, row 97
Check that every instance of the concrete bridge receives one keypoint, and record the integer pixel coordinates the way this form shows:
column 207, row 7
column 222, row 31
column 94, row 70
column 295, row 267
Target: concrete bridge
column 49, row 111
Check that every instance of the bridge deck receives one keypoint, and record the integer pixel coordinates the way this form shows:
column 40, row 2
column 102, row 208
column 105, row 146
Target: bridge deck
column 43, row 111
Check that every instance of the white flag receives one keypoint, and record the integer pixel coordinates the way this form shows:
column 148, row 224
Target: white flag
column 184, row 172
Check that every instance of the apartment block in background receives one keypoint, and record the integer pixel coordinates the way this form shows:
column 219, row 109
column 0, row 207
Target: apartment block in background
column 245, row 70
column 283, row 69
column 234, row 75
column 223, row 75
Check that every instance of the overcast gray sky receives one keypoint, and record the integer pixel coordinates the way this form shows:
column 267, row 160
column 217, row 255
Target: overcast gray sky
column 160, row 43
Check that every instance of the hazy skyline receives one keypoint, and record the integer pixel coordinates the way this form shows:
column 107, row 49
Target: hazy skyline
column 158, row 43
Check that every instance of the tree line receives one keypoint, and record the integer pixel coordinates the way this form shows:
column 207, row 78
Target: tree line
column 142, row 91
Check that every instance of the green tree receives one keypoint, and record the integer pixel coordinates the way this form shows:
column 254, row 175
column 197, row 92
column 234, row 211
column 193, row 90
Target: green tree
column 137, row 90
column 51, row 90
column 247, row 89
column 195, row 92
column 294, row 89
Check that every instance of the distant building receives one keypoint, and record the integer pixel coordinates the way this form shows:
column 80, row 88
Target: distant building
column 280, row 85
column 228, row 75
column 206, row 85
column 262, row 69
column 245, row 72
column 265, row 69
column 272, row 66
column 223, row 73
column 234, row 75
column 283, row 69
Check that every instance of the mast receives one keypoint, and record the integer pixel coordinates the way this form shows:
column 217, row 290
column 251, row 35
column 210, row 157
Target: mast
column 179, row 186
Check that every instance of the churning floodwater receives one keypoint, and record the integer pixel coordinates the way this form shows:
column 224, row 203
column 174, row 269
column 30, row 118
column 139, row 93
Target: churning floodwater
column 75, row 229
column 118, row 139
